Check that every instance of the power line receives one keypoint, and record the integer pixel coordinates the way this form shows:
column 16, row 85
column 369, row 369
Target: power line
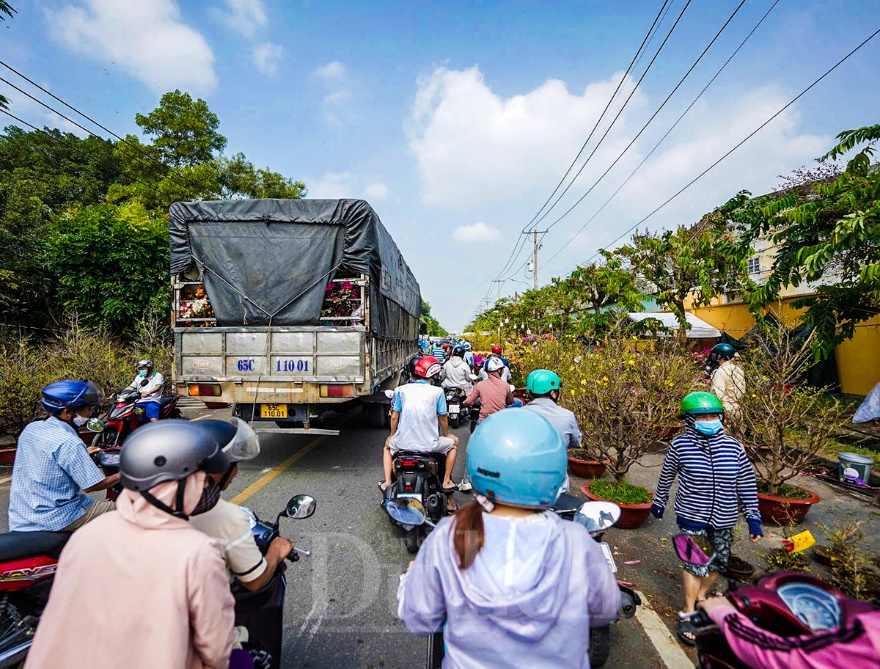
column 743, row 141
column 619, row 112
column 668, row 132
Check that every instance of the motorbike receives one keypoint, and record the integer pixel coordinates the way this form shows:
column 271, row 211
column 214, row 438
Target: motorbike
column 262, row 611
column 28, row 562
column 417, row 477
column 454, row 398
column 597, row 517
column 125, row 417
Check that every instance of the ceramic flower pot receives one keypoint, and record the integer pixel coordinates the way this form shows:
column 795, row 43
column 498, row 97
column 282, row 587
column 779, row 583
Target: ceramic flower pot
column 783, row 510
column 632, row 516
column 586, row 469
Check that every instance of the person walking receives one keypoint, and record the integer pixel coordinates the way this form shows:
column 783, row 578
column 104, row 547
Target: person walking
column 715, row 481
column 728, row 379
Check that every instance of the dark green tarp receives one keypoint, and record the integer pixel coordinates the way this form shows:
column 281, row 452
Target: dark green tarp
column 268, row 261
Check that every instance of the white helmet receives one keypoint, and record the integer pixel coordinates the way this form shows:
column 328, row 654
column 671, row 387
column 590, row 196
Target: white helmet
column 494, row 364
column 237, row 439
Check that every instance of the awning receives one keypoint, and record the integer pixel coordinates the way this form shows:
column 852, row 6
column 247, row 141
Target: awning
column 700, row 329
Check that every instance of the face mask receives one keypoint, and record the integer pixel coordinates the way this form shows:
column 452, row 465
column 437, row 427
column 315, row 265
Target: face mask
column 708, row 427
column 209, row 499
column 142, row 373
column 79, row 421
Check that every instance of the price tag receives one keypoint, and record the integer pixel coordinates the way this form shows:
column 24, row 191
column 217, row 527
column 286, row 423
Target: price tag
column 799, row 542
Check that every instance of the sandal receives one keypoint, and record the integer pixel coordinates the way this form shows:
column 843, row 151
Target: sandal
column 687, row 627
column 448, row 491
column 383, row 487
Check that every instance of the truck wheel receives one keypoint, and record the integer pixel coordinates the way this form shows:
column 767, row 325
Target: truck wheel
column 600, row 645
column 412, row 540
column 378, row 416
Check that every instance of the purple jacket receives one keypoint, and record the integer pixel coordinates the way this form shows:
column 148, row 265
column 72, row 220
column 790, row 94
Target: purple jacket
column 536, row 606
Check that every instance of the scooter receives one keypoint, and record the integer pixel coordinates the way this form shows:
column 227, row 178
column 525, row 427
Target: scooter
column 262, row 611
column 454, row 398
column 597, row 517
column 417, row 477
column 126, row 416
column 28, row 561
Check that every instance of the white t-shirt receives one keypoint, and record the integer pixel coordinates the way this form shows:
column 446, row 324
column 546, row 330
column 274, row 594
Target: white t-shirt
column 154, row 384
column 418, row 404
column 231, row 527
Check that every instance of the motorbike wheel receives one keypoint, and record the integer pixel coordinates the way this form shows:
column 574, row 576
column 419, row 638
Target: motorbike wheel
column 453, row 421
column 175, row 413
column 412, row 540
column 600, row 645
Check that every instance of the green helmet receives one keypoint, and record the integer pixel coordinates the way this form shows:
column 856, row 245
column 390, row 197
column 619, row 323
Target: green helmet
column 542, row 381
column 697, row 403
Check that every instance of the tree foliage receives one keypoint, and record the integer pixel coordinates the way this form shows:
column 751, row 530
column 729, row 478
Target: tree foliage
column 428, row 325
column 827, row 231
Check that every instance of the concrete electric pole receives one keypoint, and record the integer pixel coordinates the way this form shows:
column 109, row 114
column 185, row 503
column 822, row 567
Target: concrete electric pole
column 535, row 234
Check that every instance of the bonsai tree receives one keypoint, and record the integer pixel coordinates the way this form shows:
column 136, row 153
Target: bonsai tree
column 782, row 423
column 628, row 388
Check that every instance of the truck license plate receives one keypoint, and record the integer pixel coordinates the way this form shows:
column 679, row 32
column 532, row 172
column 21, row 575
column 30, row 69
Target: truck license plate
column 609, row 558
column 273, row 411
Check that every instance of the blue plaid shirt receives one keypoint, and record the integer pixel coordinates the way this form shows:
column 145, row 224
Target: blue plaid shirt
column 51, row 469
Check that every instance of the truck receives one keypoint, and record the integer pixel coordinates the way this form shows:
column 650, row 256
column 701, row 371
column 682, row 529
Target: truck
column 289, row 310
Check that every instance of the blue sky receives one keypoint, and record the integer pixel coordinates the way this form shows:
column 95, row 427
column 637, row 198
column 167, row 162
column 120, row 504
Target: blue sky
column 457, row 119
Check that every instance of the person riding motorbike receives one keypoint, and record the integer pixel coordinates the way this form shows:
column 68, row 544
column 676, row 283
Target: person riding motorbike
column 468, row 354
column 149, row 384
column 228, row 523
column 416, row 410
column 493, row 392
column 496, row 353
column 544, row 387
column 857, row 645
column 715, row 481
column 728, row 379
column 508, row 582
column 53, row 470
column 160, row 583
column 456, row 373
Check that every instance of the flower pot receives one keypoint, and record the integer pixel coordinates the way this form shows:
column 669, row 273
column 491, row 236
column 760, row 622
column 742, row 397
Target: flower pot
column 7, row 456
column 823, row 555
column 785, row 511
column 586, row 469
column 521, row 394
column 738, row 569
column 631, row 515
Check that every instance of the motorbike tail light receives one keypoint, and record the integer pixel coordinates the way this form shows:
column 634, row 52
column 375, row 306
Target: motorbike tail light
column 205, row 390
column 327, row 390
column 408, row 486
column 408, row 463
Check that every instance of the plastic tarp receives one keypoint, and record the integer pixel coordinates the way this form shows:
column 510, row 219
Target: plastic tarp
column 269, row 261
column 700, row 329
column 870, row 408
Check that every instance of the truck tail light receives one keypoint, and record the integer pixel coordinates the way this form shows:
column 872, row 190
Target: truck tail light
column 205, row 390
column 327, row 390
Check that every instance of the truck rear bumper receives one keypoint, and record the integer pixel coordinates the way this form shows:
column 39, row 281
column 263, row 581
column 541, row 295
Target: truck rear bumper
column 293, row 430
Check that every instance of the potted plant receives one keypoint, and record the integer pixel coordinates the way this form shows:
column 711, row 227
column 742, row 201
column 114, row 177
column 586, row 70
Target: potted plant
column 627, row 387
column 581, row 464
column 782, row 423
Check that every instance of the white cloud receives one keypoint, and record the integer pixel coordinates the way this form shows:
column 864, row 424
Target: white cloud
column 146, row 38
column 376, row 190
column 331, row 186
column 266, row 57
column 333, row 71
column 245, row 16
column 337, row 97
column 478, row 232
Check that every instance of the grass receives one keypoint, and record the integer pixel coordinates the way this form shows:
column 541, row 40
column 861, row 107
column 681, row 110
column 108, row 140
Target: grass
column 620, row 492
column 785, row 491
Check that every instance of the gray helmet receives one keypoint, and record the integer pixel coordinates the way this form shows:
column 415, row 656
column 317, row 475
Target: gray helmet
column 169, row 450
column 145, row 363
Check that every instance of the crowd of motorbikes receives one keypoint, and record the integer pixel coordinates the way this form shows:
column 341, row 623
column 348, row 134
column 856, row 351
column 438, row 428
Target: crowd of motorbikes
column 786, row 603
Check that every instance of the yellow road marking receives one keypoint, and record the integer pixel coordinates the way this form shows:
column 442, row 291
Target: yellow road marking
column 261, row 482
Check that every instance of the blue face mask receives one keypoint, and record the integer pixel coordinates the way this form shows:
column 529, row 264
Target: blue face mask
column 708, row 427
column 142, row 373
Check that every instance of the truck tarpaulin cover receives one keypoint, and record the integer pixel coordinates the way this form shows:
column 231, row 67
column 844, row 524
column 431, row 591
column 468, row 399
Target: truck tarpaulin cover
column 272, row 259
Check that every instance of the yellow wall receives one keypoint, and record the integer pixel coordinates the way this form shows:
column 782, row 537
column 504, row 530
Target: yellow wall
column 858, row 359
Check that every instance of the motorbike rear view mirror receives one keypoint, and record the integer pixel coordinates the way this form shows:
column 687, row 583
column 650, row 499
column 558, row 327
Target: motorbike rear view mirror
column 474, row 377
column 692, row 549
column 512, row 387
column 598, row 516
column 95, row 425
column 407, row 512
column 389, row 394
column 300, row 506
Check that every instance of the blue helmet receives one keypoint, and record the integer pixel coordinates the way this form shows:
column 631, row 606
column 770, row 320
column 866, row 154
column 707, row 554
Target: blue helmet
column 517, row 458
column 69, row 394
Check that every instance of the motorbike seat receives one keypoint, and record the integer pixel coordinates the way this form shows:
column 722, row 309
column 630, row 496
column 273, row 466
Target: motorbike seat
column 19, row 545
column 419, row 454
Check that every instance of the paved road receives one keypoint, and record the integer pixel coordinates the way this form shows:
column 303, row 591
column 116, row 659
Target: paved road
column 341, row 608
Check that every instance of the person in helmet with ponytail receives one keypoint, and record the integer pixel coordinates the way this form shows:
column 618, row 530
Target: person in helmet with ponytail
column 53, row 469
column 149, row 384
column 228, row 523
column 417, row 409
column 715, row 481
column 159, row 582
column 509, row 582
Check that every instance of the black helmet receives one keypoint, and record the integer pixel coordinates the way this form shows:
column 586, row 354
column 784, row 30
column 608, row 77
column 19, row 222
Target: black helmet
column 169, row 450
column 459, row 351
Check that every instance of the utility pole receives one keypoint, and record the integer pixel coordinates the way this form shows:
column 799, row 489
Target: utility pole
column 535, row 234
column 499, row 282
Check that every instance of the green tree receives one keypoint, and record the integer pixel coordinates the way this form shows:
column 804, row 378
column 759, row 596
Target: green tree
column 184, row 130
column 109, row 264
column 828, row 233
column 428, row 325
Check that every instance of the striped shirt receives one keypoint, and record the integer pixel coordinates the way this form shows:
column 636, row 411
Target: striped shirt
column 715, row 480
